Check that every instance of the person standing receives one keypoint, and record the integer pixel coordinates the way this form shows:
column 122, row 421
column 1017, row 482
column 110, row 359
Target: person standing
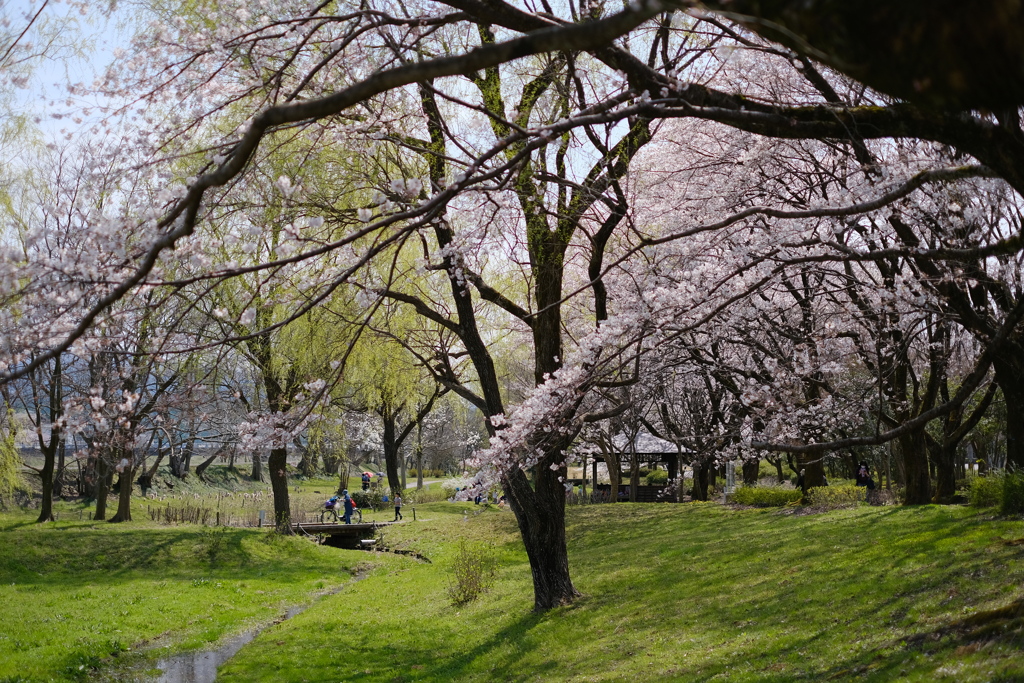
column 863, row 476
column 349, row 506
column 398, row 507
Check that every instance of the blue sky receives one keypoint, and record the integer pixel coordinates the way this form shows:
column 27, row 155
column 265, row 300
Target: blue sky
column 82, row 50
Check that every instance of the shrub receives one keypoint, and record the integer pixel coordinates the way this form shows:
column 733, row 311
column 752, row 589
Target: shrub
column 986, row 491
column 765, row 496
column 835, row 497
column 366, row 500
column 472, row 573
column 1013, row 493
column 657, row 478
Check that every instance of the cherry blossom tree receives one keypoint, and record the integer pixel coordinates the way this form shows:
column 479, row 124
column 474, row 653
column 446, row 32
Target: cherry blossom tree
column 501, row 143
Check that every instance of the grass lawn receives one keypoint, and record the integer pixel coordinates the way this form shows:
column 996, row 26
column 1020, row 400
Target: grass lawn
column 680, row 592
column 80, row 595
column 694, row 592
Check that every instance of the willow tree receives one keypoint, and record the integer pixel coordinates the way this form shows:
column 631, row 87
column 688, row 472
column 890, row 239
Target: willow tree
column 547, row 171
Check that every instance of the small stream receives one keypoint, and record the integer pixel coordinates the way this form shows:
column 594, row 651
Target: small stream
column 200, row 666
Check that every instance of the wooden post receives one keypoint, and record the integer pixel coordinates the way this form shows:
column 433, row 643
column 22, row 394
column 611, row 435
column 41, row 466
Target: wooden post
column 414, row 514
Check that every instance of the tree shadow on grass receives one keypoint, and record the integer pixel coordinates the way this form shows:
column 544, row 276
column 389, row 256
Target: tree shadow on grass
column 416, row 664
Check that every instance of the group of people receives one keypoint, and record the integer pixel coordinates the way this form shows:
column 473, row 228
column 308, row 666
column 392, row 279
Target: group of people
column 478, row 497
column 348, row 505
column 367, row 479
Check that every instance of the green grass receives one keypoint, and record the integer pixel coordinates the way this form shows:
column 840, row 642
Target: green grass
column 694, row 592
column 76, row 594
column 680, row 592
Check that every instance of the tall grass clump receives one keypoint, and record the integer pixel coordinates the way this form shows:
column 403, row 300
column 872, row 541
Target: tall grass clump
column 987, row 491
column 1012, row 502
column 472, row 573
column 836, row 497
column 765, row 496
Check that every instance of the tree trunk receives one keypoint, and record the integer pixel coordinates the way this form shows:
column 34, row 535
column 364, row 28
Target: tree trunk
column 541, row 517
column 777, row 463
column 614, row 474
column 634, row 474
column 308, row 461
column 103, row 477
column 46, row 477
column 751, row 470
column 186, row 456
column 701, row 479
column 390, row 443
column 914, row 455
column 813, row 467
column 206, row 463
column 1009, row 374
column 60, row 476
column 343, row 475
column 277, row 464
column 419, row 467
column 257, row 467
column 177, row 465
column 945, row 471
column 124, row 496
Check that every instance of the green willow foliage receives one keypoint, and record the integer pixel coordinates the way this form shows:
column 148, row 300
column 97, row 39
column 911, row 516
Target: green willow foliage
column 10, row 462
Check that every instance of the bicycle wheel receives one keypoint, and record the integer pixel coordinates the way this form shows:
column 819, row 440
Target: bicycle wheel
column 357, row 516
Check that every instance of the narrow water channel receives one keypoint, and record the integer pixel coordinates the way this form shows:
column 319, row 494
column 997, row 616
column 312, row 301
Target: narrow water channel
column 200, row 666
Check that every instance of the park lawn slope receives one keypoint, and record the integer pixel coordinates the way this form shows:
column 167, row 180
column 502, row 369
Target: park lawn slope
column 679, row 592
column 80, row 596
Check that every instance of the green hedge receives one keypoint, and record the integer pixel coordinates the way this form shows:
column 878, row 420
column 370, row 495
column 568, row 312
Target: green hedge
column 765, row 496
column 835, row 497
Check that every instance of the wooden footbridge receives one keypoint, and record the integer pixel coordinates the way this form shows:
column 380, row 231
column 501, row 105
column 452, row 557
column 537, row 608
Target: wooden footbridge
column 339, row 535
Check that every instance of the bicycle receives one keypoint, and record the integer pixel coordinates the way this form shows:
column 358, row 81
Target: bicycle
column 356, row 517
column 329, row 509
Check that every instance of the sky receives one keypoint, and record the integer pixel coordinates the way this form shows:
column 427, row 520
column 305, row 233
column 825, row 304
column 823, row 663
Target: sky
column 84, row 45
